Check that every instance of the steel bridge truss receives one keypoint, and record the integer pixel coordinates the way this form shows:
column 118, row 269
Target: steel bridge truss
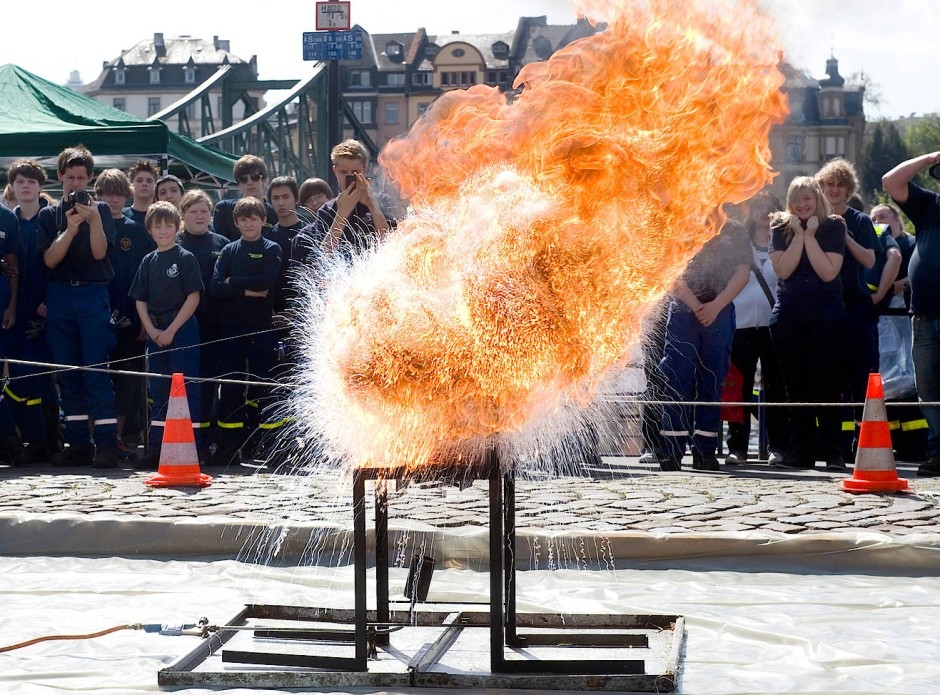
column 291, row 134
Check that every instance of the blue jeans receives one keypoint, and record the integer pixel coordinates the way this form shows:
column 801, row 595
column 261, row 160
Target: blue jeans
column 695, row 362
column 926, row 354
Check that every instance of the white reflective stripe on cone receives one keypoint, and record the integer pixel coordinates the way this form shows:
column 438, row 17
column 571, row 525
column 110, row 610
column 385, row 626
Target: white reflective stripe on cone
column 871, row 459
column 178, row 455
column 875, row 411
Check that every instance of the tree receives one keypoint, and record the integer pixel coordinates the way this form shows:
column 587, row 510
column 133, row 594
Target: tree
column 924, row 137
column 883, row 150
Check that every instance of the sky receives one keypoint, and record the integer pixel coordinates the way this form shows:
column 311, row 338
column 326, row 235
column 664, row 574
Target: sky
column 892, row 41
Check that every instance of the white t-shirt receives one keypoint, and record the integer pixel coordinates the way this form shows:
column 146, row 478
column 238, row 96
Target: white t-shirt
column 751, row 308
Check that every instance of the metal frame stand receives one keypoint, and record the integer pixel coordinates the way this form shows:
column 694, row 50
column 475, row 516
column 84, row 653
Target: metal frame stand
column 555, row 633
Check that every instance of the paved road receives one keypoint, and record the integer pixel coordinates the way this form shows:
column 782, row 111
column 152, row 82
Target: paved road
column 623, row 496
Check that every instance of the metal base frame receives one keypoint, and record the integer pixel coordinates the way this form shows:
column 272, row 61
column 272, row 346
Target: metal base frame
column 514, row 639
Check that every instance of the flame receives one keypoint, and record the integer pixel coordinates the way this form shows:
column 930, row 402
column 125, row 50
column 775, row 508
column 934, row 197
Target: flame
column 543, row 229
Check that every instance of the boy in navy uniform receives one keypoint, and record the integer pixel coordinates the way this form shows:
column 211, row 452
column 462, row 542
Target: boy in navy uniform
column 170, row 189
column 74, row 238
column 143, row 177
column 197, row 238
column 353, row 220
column 32, row 391
column 11, row 447
column 250, row 173
column 132, row 243
column 244, row 281
column 283, row 194
column 167, row 290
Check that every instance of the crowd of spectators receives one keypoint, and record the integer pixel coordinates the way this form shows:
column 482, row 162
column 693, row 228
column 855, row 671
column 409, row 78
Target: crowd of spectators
column 145, row 277
column 802, row 294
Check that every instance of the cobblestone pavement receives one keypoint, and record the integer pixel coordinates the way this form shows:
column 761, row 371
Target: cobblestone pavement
column 622, row 496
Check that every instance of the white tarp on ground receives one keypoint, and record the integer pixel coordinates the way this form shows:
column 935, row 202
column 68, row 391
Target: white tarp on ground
column 796, row 626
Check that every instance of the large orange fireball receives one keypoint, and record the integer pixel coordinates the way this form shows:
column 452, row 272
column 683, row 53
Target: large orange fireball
column 542, row 230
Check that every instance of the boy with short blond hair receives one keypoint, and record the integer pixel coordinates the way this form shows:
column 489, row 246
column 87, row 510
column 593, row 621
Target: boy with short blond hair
column 244, row 281
column 166, row 290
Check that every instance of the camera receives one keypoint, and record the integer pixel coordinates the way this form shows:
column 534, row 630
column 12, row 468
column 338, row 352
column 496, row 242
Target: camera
column 934, row 171
column 75, row 197
column 350, row 180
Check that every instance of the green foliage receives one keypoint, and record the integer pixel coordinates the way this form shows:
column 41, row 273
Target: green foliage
column 883, row 150
column 921, row 138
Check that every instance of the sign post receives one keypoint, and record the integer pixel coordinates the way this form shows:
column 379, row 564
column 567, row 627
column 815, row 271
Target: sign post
column 332, row 42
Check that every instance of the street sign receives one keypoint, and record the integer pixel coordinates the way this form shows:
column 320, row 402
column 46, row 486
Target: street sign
column 333, row 45
column 333, row 16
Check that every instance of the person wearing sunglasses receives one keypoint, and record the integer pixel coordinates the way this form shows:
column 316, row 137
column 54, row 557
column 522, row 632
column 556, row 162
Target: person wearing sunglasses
column 251, row 175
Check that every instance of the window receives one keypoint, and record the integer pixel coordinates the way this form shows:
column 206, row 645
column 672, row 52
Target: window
column 396, row 79
column 189, row 75
column 497, row 76
column 360, row 78
column 421, row 78
column 119, row 76
column 362, row 110
column 458, row 79
column 120, row 103
column 794, row 149
column 423, row 108
column 391, row 113
column 458, row 53
column 153, row 105
column 154, row 75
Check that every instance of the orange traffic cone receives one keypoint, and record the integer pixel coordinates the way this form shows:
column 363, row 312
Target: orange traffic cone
column 874, row 461
column 179, row 462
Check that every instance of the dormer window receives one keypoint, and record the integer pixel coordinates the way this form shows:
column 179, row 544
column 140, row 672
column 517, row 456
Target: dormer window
column 154, row 75
column 189, row 75
column 393, row 49
column 501, row 50
column 431, row 50
column 119, row 75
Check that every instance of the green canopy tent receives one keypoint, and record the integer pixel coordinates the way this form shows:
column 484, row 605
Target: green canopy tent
column 39, row 119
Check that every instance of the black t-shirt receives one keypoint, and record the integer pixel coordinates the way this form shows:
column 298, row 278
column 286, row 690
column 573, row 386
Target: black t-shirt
column 804, row 293
column 79, row 265
column 132, row 243
column 165, row 279
column 206, row 248
column 710, row 270
column 923, row 209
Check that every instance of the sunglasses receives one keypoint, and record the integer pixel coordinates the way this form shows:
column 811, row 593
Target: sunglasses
column 254, row 177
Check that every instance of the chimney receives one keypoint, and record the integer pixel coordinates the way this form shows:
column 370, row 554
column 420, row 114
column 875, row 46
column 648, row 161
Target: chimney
column 455, row 31
column 220, row 44
column 158, row 44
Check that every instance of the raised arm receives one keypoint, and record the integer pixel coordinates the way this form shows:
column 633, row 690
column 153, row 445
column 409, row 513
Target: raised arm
column 895, row 181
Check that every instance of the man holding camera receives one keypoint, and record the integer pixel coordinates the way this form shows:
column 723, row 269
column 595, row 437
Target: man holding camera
column 74, row 239
column 923, row 208
column 352, row 221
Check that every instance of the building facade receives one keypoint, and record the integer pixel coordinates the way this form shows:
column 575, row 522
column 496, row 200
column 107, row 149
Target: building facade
column 147, row 78
column 827, row 120
column 400, row 75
